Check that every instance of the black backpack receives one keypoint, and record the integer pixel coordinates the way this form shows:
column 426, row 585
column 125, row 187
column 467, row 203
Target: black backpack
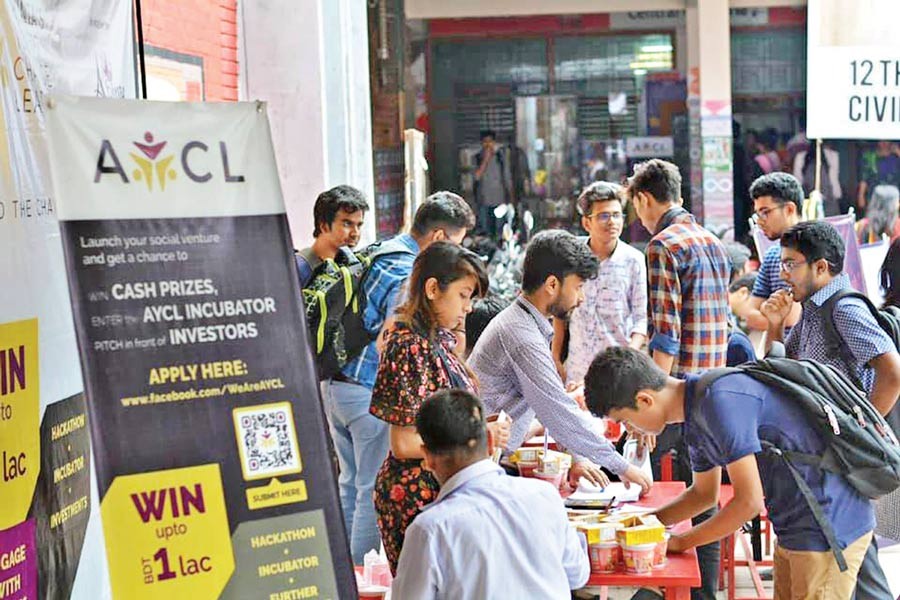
column 888, row 319
column 335, row 303
column 859, row 444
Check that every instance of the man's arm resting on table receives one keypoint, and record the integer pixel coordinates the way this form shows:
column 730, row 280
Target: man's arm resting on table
column 544, row 393
column 747, row 503
column 701, row 495
column 887, row 381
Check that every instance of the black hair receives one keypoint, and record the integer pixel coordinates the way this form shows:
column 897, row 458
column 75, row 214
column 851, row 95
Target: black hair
column 599, row 191
column 782, row 187
column 341, row 197
column 890, row 275
column 739, row 255
column 451, row 423
column 446, row 262
column 657, row 177
column 487, row 133
column 816, row 240
column 744, row 281
column 483, row 312
column 443, row 209
column 615, row 377
column 559, row 253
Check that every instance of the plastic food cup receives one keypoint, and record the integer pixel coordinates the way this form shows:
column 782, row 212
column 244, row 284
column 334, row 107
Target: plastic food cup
column 527, row 469
column 639, row 558
column 605, row 557
column 659, row 552
column 374, row 592
column 554, row 479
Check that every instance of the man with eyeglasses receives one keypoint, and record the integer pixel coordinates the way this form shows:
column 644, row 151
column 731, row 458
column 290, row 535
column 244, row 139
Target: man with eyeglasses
column 777, row 201
column 811, row 265
column 614, row 311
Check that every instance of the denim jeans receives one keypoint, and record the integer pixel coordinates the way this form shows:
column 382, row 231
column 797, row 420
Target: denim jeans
column 361, row 442
column 487, row 222
column 871, row 583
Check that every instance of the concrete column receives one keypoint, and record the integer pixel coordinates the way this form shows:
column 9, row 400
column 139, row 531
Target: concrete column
column 309, row 61
column 692, row 25
column 347, row 111
column 714, row 60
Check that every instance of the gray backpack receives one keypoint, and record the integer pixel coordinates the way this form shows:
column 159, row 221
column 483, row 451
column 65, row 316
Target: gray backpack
column 859, row 444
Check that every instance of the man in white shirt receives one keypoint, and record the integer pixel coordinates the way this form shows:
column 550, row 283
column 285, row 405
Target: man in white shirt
column 488, row 535
column 614, row 311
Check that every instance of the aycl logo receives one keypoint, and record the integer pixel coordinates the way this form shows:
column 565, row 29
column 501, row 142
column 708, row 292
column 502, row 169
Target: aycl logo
column 155, row 168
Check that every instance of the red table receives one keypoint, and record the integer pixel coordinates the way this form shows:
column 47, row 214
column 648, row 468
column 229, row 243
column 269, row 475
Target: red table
column 681, row 573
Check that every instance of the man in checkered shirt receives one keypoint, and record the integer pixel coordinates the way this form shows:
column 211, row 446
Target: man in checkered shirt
column 812, row 261
column 688, row 272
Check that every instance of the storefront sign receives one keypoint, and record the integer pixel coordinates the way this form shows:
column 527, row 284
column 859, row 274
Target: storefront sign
column 47, row 548
column 210, row 443
column 649, row 147
column 853, row 70
column 670, row 19
column 749, row 17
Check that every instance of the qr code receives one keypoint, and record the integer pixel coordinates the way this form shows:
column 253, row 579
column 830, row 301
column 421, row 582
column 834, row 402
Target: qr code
column 267, row 440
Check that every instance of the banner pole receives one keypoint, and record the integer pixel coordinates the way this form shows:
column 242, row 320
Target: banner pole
column 140, row 40
column 818, row 165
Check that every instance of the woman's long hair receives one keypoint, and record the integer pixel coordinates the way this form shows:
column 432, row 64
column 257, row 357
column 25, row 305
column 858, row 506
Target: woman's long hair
column 890, row 275
column 446, row 262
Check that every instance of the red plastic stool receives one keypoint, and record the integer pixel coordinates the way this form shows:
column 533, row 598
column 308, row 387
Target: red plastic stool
column 728, row 563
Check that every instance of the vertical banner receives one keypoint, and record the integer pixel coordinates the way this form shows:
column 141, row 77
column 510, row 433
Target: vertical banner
column 51, row 543
column 853, row 70
column 210, row 442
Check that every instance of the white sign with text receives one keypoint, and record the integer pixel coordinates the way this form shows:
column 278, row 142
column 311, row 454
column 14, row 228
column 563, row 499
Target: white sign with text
column 853, row 70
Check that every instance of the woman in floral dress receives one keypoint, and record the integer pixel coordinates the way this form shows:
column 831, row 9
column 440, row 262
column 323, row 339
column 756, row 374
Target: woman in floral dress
column 417, row 360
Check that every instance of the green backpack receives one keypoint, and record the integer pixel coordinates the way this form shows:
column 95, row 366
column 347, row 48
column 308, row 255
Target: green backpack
column 335, row 303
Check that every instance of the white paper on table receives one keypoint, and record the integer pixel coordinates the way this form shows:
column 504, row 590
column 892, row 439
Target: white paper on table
column 616, row 489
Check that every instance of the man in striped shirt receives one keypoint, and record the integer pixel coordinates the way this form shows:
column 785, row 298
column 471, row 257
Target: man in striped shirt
column 688, row 272
column 777, row 201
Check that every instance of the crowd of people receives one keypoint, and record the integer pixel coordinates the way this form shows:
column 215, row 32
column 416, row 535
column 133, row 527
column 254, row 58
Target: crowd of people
column 601, row 329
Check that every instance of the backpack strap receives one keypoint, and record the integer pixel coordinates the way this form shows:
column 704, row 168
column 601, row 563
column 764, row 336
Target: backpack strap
column 379, row 250
column 814, row 506
column 710, row 377
column 304, row 269
column 368, row 257
column 833, row 336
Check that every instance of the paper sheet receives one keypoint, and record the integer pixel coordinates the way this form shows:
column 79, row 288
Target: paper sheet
column 617, row 490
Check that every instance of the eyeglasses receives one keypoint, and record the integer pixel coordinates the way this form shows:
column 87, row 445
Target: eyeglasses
column 763, row 213
column 606, row 217
column 789, row 266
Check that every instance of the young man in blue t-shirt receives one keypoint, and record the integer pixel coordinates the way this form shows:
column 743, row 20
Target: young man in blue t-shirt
column 726, row 428
column 777, row 204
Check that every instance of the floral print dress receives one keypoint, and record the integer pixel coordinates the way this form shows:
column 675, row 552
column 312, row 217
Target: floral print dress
column 409, row 372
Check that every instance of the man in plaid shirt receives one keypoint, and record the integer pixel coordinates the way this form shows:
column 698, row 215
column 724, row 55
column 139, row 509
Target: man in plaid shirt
column 688, row 270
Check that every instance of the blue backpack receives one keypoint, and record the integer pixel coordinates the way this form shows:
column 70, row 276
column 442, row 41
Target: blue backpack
column 859, row 444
